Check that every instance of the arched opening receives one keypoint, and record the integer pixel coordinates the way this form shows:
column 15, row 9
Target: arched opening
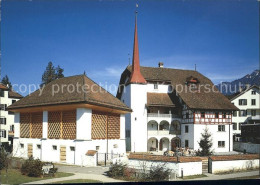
column 164, row 144
column 152, row 144
column 175, row 127
column 175, row 143
column 152, row 125
column 164, row 125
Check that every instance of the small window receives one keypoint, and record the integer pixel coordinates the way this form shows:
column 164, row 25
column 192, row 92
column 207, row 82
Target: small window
column 155, row 86
column 242, row 101
column 221, row 128
column 186, row 129
column 221, row 144
column 72, row 148
column 13, row 101
column 187, row 115
column 54, row 147
column 252, row 101
column 224, row 115
column 234, row 126
column 3, row 121
column 22, row 145
column 253, row 112
column 203, row 114
column 3, row 133
column 3, row 107
column 253, row 92
column 234, row 113
column 216, row 115
column 242, row 113
column 186, row 143
column 39, row 146
column 97, row 148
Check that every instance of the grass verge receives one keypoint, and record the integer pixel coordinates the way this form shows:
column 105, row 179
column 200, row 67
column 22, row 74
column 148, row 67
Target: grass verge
column 14, row 176
column 248, row 177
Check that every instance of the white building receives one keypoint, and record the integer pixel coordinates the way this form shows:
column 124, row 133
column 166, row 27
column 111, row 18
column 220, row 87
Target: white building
column 248, row 103
column 67, row 119
column 7, row 97
column 172, row 107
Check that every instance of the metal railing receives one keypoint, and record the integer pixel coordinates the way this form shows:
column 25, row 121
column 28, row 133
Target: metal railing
column 163, row 115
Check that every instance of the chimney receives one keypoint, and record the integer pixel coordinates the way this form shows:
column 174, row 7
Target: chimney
column 160, row 64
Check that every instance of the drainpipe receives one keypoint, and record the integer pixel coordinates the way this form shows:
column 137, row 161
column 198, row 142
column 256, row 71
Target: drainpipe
column 229, row 136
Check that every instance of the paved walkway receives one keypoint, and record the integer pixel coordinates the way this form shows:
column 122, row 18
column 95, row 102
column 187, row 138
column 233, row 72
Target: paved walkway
column 102, row 178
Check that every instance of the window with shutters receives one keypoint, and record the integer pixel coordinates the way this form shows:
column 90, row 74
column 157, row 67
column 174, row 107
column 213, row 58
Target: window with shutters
column 3, row 121
column 3, row 133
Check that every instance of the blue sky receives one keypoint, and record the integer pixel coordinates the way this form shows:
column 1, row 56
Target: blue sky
column 220, row 36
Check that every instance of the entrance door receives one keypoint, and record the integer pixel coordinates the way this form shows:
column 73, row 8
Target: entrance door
column 63, row 154
column 30, row 150
column 175, row 142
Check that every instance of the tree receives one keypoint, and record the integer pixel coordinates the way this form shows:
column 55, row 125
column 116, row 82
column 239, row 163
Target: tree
column 51, row 73
column 59, row 72
column 205, row 143
column 6, row 82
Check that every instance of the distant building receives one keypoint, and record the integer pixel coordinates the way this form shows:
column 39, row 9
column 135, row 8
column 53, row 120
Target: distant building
column 68, row 119
column 248, row 102
column 7, row 97
column 164, row 117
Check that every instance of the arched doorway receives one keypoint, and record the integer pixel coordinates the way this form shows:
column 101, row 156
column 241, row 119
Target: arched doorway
column 175, row 142
column 164, row 143
column 152, row 144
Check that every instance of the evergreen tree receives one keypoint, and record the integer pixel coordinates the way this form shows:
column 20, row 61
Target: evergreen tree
column 6, row 82
column 51, row 73
column 205, row 143
column 59, row 72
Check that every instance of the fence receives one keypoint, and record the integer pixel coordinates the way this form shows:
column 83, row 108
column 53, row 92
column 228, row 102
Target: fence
column 106, row 158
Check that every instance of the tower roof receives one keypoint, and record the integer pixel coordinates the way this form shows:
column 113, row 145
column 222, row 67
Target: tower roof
column 136, row 76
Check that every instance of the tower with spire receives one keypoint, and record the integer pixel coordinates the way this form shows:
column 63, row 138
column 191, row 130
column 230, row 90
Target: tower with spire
column 134, row 95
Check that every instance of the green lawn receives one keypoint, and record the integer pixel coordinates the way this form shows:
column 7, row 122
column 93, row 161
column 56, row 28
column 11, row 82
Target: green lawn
column 15, row 177
column 194, row 176
column 76, row 181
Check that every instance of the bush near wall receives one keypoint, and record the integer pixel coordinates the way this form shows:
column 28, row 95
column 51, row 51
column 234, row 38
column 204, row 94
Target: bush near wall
column 32, row 167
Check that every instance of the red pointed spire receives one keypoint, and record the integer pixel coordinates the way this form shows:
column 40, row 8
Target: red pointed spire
column 136, row 76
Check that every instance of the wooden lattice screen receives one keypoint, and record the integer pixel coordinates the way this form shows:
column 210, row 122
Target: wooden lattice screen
column 31, row 125
column 36, row 125
column 69, row 124
column 62, row 125
column 113, row 126
column 54, row 125
column 25, row 119
column 100, row 122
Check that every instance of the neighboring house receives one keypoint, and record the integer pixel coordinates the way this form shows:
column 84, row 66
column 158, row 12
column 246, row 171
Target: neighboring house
column 67, row 119
column 250, row 133
column 164, row 116
column 7, row 97
column 248, row 102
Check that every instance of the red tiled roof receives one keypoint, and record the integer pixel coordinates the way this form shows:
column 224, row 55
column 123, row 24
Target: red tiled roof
column 162, row 158
column 234, row 157
column 91, row 152
column 161, row 99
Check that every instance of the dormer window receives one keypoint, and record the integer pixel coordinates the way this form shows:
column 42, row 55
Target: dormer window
column 155, row 86
column 192, row 80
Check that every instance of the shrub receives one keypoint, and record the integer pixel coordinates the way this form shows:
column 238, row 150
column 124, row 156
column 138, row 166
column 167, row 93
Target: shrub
column 129, row 173
column 3, row 159
column 32, row 167
column 158, row 173
column 116, row 170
